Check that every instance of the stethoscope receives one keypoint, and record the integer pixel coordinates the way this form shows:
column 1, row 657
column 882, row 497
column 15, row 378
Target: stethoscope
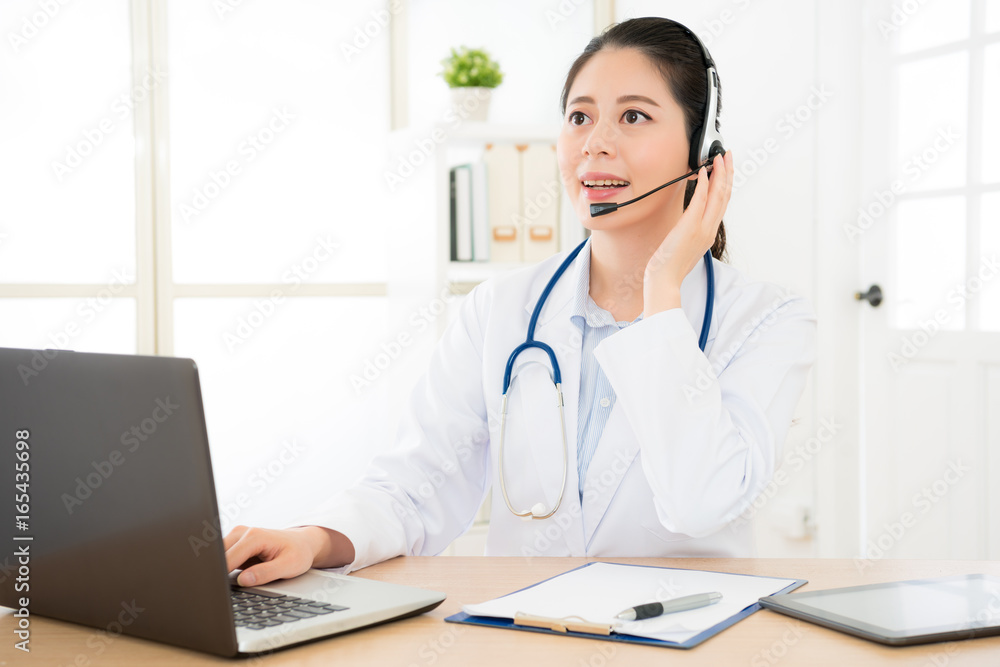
column 538, row 510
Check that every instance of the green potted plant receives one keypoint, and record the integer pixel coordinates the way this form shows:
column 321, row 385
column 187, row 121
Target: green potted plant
column 471, row 74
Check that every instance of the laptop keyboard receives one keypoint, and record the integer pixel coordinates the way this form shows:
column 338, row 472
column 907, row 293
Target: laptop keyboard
column 258, row 609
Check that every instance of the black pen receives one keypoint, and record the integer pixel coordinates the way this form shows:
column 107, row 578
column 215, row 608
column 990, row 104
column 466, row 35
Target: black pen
column 654, row 609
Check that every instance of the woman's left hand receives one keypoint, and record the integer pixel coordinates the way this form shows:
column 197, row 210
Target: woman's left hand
column 691, row 237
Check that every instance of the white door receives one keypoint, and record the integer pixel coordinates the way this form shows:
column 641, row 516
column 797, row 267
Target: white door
column 928, row 230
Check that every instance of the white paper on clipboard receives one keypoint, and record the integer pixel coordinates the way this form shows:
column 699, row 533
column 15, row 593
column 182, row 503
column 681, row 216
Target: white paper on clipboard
column 598, row 592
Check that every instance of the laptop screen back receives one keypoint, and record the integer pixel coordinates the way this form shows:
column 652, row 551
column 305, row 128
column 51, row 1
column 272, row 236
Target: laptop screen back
column 120, row 529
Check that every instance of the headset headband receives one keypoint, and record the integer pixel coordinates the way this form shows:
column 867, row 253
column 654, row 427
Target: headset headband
column 706, row 142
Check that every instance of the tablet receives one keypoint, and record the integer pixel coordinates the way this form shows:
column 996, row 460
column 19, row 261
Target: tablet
column 900, row 613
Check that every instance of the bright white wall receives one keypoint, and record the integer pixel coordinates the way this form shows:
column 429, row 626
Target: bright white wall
column 534, row 41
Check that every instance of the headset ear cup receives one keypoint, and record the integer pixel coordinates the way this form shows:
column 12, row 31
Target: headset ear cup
column 716, row 149
column 694, row 160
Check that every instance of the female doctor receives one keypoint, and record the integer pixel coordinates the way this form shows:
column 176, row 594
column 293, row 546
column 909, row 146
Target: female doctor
column 660, row 446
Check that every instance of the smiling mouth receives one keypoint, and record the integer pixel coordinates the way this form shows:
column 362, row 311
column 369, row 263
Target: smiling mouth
column 605, row 185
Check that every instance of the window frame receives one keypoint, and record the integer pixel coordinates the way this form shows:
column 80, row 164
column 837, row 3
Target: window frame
column 154, row 214
column 154, row 290
column 974, row 187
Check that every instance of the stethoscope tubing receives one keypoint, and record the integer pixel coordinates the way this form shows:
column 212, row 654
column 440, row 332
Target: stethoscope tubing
column 530, row 342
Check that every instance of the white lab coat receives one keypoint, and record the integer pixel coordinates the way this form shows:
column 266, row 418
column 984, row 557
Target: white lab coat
column 691, row 440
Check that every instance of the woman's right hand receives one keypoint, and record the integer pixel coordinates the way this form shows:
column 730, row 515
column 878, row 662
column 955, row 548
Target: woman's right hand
column 266, row 555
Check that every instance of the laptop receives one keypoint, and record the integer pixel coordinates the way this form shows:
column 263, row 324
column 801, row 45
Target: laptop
column 115, row 523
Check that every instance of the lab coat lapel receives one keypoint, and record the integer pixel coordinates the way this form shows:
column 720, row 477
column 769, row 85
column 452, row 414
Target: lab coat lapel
column 618, row 447
column 615, row 452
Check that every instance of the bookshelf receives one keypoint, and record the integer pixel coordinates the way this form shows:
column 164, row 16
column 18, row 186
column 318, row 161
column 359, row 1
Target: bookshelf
column 466, row 142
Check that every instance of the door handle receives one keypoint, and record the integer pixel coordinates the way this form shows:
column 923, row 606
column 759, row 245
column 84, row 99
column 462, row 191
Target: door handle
column 873, row 296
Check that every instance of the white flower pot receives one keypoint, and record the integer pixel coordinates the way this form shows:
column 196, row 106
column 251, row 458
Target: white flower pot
column 471, row 102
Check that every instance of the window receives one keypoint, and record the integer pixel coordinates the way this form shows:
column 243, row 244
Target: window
column 67, row 180
column 947, row 218
column 195, row 179
column 277, row 237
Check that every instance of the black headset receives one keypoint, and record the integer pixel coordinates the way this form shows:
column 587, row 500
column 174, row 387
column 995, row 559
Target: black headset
column 706, row 142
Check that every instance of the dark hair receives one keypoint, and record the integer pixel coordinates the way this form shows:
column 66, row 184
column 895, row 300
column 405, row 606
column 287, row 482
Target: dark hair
column 677, row 56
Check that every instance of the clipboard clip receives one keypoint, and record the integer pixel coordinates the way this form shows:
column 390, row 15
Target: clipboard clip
column 564, row 624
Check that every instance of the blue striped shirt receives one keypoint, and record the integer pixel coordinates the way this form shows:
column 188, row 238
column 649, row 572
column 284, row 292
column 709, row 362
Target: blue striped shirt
column 597, row 398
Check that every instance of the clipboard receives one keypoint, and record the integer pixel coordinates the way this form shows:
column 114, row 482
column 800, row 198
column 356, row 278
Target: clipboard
column 575, row 626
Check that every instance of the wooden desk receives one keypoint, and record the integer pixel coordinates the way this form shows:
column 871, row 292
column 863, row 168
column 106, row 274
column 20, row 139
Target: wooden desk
column 764, row 639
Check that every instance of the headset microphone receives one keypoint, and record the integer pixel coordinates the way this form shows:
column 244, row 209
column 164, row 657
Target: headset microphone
column 609, row 207
column 706, row 142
